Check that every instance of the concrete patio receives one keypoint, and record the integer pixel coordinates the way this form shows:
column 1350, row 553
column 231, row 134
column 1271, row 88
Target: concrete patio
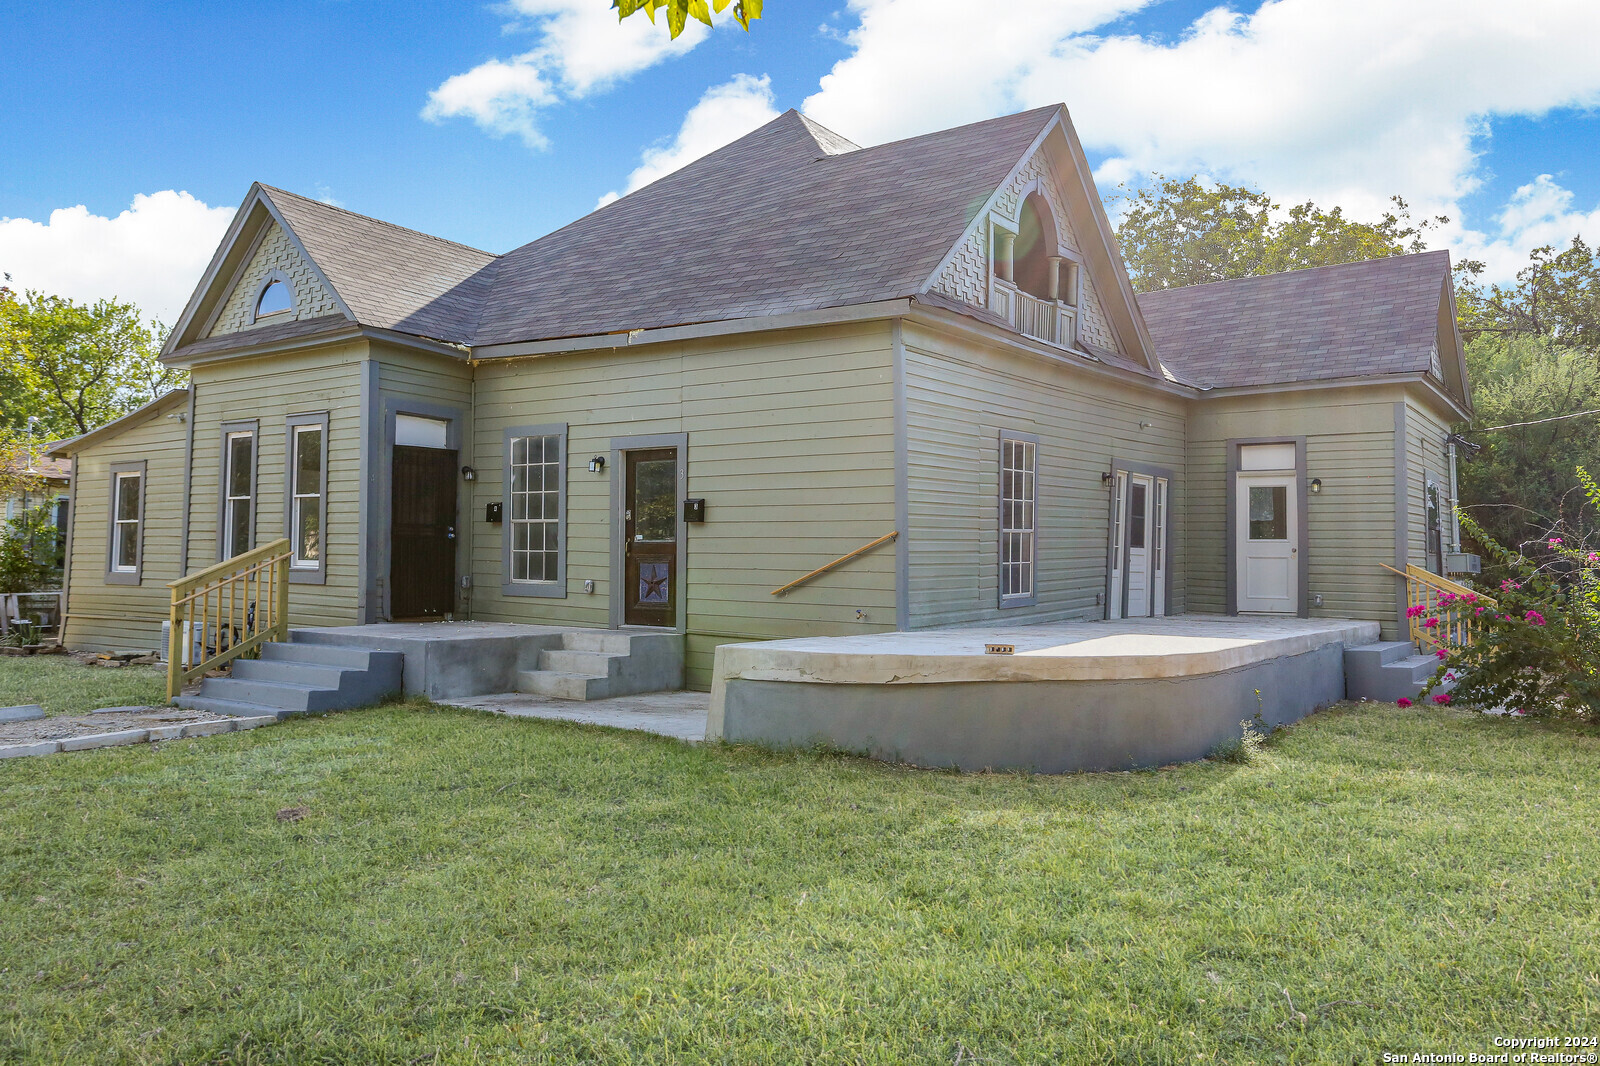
column 681, row 715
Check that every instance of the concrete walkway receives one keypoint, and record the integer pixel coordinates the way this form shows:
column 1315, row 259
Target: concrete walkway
column 670, row 714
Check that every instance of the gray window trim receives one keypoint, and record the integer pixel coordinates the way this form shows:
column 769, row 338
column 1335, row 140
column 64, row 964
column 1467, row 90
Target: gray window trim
column 306, row 575
column 1302, row 511
column 136, row 575
column 1002, row 601
column 294, row 298
column 556, row 589
column 253, row 427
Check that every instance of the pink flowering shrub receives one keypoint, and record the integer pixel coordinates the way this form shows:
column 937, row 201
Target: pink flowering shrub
column 1538, row 649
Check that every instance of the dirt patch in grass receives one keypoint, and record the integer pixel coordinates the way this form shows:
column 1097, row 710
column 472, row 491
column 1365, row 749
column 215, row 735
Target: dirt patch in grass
column 62, row 726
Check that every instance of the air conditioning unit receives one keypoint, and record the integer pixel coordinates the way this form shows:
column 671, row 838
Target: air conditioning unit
column 1462, row 563
column 191, row 633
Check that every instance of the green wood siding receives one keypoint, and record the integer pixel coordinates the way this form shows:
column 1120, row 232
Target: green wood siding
column 1349, row 525
column 107, row 617
column 959, row 395
column 791, row 443
column 271, row 389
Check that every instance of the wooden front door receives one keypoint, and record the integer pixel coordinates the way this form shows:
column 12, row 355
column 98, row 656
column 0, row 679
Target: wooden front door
column 650, row 538
column 422, row 534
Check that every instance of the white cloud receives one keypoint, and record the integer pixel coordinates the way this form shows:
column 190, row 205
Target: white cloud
column 151, row 254
column 724, row 114
column 582, row 49
column 1346, row 103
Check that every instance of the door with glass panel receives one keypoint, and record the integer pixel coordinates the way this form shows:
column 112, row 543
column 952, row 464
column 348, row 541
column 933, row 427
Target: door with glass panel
column 1138, row 546
column 1266, row 525
column 650, row 537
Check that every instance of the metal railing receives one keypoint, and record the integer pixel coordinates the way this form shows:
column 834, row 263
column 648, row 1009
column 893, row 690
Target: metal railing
column 1457, row 625
column 823, row 569
column 225, row 611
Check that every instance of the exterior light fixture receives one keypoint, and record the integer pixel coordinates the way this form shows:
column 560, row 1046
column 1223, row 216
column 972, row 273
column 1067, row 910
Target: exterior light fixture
column 468, row 474
column 1105, row 479
column 597, row 464
column 1316, row 485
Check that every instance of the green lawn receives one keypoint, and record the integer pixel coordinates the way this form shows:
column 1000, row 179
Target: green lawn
column 475, row 889
column 62, row 685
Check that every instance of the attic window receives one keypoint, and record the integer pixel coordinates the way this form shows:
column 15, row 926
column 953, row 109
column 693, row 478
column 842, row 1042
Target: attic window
column 274, row 300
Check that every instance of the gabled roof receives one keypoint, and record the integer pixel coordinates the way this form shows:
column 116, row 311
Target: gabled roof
column 389, row 277
column 1352, row 320
column 790, row 217
column 49, row 469
column 63, row 449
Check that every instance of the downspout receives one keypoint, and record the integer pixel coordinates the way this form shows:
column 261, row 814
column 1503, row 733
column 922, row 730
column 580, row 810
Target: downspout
column 188, row 486
column 1455, row 513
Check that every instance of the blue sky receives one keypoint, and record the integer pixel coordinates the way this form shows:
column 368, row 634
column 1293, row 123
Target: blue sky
column 493, row 124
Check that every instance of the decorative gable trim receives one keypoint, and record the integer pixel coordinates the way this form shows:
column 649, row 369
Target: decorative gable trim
column 1108, row 313
column 250, row 226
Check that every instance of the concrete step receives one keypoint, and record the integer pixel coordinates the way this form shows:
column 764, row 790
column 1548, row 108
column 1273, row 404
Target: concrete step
column 1387, row 671
column 609, row 641
column 1383, row 652
column 232, row 708
column 288, row 670
column 303, row 651
column 282, row 696
column 564, row 685
column 567, row 661
column 1416, row 667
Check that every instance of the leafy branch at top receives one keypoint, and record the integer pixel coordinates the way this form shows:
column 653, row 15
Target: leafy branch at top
column 679, row 12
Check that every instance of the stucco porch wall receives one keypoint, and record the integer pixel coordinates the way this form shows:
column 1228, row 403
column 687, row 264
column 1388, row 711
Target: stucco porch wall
column 1075, row 696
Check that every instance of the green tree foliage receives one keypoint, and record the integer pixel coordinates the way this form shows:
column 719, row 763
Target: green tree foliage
column 1556, row 297
column 679, row 12
column 1517, row 489
column 29, row 548
column 73, row 366
column 1189, row 232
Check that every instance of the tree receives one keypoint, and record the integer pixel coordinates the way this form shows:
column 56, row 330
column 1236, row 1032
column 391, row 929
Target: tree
column 680, row 11
column 1189, row 232
column 1555, row 297
column 73, row 367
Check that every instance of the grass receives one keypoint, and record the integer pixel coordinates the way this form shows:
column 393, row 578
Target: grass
column 62, row 685
column 472, row 889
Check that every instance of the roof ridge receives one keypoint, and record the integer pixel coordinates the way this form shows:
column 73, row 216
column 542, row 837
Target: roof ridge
column 1297, row 270
column 1052, row 108
column 273, row 189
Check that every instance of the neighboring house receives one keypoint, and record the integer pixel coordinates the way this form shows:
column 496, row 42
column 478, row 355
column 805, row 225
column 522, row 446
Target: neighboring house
column 662, row 412
column 50, row 484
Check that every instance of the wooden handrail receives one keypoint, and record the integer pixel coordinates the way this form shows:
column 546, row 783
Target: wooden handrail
column 886, row 538
column 226, row 611
column 1457, row 628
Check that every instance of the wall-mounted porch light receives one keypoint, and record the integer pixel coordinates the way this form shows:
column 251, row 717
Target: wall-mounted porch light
column 1105, row 478
column 1316, row 485
column 597, row 464
column 468, row 474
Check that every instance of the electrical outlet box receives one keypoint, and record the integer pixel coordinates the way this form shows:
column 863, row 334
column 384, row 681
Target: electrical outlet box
column 494, row 512
column 694, row 510
column 588, row 586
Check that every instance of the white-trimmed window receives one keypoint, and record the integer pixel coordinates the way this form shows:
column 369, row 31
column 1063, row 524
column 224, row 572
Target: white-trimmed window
column 1019, row 453
column 127, row 515
column 238, row 491
column 534, row 497
column 308, row 467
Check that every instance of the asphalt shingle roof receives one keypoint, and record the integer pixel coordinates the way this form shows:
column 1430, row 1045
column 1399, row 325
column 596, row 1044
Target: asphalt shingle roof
column 389, row 276
column 790, row 217
column 1351, row 320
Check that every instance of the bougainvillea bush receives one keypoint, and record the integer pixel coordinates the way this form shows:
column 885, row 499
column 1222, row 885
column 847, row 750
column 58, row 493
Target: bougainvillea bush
column 1537, row 646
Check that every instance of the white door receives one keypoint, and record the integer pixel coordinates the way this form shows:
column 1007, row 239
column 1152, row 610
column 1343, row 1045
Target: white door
column 1141, row 494
column 1266, row 521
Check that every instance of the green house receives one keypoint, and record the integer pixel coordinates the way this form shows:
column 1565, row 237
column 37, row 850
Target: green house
column 792, row 348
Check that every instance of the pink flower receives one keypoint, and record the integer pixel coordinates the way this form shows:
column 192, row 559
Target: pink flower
column 1507, row 585
column 1594, row 557
column 1442, row 698
column 1555, row 542
column 1519, row 713
column 1402, row 702
column 1441, row 653
column 1416, row 611
column 1449, row 675
column 1535, row 618
column 1480, row 610
column 1447, row 597
column 1430, row 623
column 1471, row 597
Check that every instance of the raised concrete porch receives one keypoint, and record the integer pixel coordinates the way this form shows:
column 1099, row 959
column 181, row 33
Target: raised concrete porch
column 1074, row 696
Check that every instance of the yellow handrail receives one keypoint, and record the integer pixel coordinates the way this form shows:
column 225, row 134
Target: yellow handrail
column 222, row 612
column 886, row 538
column 1458, row 624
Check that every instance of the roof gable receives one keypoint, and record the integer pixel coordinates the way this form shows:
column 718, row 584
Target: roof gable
column 1351, row 320
column 275, row 258
column 790, row 217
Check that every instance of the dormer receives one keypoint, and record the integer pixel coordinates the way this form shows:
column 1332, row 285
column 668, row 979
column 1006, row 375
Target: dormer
column 1034, row 284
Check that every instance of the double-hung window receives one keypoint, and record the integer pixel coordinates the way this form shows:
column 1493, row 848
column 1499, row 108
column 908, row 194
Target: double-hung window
column 238, row 490
column 124, row 554
column 1019, row 455
column 534, row 505
column 306, row 502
